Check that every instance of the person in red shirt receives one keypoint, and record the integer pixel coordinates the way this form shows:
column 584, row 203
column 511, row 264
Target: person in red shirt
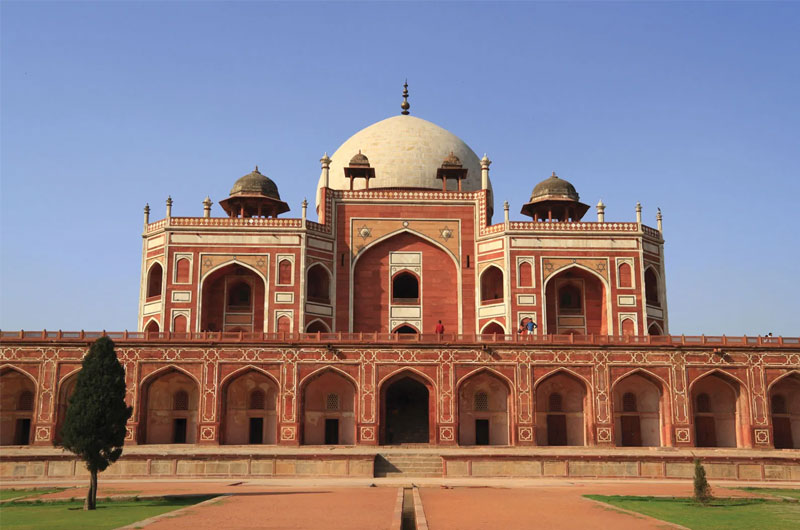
column 439, row 328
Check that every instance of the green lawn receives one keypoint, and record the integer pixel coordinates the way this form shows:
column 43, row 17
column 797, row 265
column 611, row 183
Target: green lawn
column 17, row 493
column 720, row 514
column 67, row 515
column 775, row 492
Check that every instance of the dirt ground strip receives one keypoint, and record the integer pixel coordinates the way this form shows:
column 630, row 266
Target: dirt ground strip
column 552, row 507
column 509, row 504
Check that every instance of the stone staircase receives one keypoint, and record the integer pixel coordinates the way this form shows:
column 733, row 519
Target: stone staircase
column 408, row 465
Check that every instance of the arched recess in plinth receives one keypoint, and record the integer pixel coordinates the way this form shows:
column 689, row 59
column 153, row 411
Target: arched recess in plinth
column 249, row 407
column 562, row 409
column 719, row 410
column 784, row 403
column 317, row 326
column 66, row 388
column 484, row 408
column 328, row 407
column 641, row 410
column 168, row 407
column 408, row 408
column 17, row 406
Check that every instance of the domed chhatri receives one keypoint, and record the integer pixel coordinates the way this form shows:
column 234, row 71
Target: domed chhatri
column 555, row 199
column 254, row 195
column 405, row 152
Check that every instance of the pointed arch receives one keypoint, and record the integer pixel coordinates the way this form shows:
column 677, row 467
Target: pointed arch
column 19, row 393
column 168, row 425
column 152, row 323
column 483, row 410
column 406, row 328
column 725, row 376
column 654, row 326
column 243, row 370
column 648, row 424
column 568, row 422
column 609, row 317
column 652, row 286
column 566, row 370
column 398, row 232
column 64, row 389
column 411, row 395
column 12, row 368
column 201, row 290
column 496, row 323
column 319, row 281
column 647, row 374
column 321, row 424
column 725, row 422
column 318, row 322
column 781, row 377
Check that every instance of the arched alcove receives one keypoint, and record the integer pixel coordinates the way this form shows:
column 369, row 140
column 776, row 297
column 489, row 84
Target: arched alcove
column 249, row 405
column 560, row 404
column 651, row 287
column 483, row 410
column 576, row 303
column 329, row 405
column 492, row 285
column 17, row 403
column 232, row 299
column 715, row 405
column 169, row 408
column 155, row 280
column 405, row 288
column 784, row 398
column 637, row 411
column 406, row 415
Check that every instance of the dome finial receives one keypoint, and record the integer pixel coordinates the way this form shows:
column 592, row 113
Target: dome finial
column 405, row 105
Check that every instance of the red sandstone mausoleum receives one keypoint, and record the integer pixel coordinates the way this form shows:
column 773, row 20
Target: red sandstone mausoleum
column 257, row 329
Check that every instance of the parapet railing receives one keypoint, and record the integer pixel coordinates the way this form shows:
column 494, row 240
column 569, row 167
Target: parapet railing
column 394, row 338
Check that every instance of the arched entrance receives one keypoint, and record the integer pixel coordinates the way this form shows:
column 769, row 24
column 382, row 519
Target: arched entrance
column 784, row 399
column 65, row 392
column 483, row 410
column 328, row 413
column 169, row 407
column 249, row 404
column 17, row 395
column 560, row 403
column 405, row 410
column 715, row 403
column 637, row 411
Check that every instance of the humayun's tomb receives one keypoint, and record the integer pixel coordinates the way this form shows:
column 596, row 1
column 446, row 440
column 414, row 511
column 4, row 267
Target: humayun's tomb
column 408, row 328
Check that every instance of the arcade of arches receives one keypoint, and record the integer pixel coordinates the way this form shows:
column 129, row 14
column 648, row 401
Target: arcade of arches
column 486, row 409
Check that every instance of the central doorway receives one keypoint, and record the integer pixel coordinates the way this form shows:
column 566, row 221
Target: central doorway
column 405, row 412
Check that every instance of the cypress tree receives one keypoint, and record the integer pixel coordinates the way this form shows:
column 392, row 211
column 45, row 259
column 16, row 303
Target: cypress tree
column 94, row 425
column 702, row 490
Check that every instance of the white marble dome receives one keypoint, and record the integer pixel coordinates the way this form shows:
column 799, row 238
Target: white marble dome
column 405, row 152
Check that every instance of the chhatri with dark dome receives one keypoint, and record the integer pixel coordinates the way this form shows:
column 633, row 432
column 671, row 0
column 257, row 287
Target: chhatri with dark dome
column 406, row 313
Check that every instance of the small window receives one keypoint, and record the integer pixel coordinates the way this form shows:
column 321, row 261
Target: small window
column 25, row 400
column 778, row 404
column 703, row 403
column 318, row 285
column 183, row 271
column 180, row 400
column 481, row 401
column 258, row 399
column 554, row 403
column 285, row 272
column 332, row 402
column 629, row 402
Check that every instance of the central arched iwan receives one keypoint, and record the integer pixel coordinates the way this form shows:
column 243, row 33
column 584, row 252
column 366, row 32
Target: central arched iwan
column 372, row 285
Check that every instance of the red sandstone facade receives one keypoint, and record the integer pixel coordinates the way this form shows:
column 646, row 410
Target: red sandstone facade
column 259, row 329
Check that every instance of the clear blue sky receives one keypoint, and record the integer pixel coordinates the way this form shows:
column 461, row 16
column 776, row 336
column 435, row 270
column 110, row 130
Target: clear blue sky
column 691, row 107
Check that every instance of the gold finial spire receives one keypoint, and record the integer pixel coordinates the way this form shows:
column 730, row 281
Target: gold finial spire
column 404, row 105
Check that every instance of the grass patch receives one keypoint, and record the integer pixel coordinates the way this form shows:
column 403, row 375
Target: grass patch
column 775, row 492
column 726, row 513
column 69, row 514
column 6, row 494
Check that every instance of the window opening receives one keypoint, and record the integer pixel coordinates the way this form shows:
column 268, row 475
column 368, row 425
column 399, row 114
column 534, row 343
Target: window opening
column 629, row 402
column 180, row 400
column 554, row 402
column 405, row 288
column 481, row 401
column 25, row 400
column 332, row 402
column 258, row 399
column 703, row 403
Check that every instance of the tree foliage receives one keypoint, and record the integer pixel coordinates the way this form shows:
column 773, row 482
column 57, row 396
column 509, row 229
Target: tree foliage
column 702, row 490
column 94, row 426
